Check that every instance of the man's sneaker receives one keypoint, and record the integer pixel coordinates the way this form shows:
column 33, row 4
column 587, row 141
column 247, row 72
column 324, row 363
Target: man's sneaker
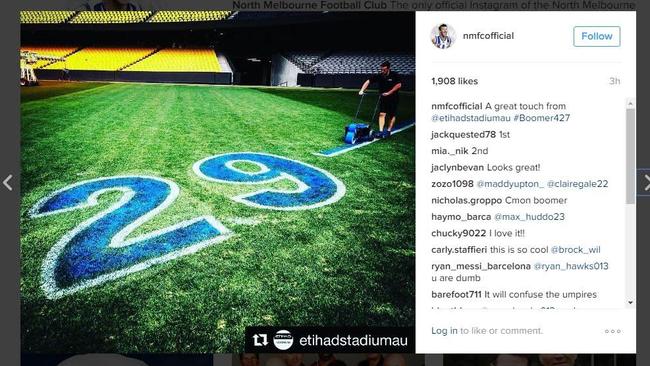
column 387, row 133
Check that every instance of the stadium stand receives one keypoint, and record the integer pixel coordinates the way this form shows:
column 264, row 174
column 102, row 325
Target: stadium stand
column 102, row 58
column 304, row 60
column 44, row 17
column 351, row 63
column 108, row 17
column 164, row 16
column 61, row 51
column 180, row 46
column 119, row 17
column 179, row 60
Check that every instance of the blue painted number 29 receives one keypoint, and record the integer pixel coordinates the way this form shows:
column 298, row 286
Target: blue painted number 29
column 101, row 248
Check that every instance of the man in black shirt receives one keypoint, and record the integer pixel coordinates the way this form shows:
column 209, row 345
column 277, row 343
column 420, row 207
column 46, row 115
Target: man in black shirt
column 389, row 85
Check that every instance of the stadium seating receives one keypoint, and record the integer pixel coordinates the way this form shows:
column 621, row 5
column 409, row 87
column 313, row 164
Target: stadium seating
column 102, row 58
column 61, row 51
column 44, row 17
column 104, row 17
column 353, row 63
column 129, row 59
column 188, row 16
column 304, row 60
column 179, row 60
column 118, row 17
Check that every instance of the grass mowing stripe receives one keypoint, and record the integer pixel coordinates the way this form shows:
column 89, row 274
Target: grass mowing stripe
column 54, row 89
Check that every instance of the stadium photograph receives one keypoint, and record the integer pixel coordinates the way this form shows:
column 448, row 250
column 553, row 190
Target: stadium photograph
column 188, row 174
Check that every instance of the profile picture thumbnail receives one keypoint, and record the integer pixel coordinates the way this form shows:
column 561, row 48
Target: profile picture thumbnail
column 443, row 36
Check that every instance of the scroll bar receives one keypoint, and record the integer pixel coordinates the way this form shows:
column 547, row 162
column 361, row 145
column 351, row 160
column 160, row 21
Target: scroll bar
column 630, row 200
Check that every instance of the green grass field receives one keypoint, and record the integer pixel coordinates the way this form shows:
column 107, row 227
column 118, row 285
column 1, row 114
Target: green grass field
column 348, row 263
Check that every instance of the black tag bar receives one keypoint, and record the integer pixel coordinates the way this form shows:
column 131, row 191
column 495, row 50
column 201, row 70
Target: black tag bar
column 330, row 339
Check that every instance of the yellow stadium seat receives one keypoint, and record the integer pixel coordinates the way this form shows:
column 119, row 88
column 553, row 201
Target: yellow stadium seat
column 117, row 17
column 164, row 16
column 44, row 17
column 102, row 58
column 104, row 17
column 179, row 60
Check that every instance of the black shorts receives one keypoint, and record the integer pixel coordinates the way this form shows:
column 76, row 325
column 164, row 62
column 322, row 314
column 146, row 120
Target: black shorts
column 388, row 105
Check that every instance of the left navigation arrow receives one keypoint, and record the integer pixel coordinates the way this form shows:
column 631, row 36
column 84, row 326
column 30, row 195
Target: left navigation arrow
column 6, row 182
